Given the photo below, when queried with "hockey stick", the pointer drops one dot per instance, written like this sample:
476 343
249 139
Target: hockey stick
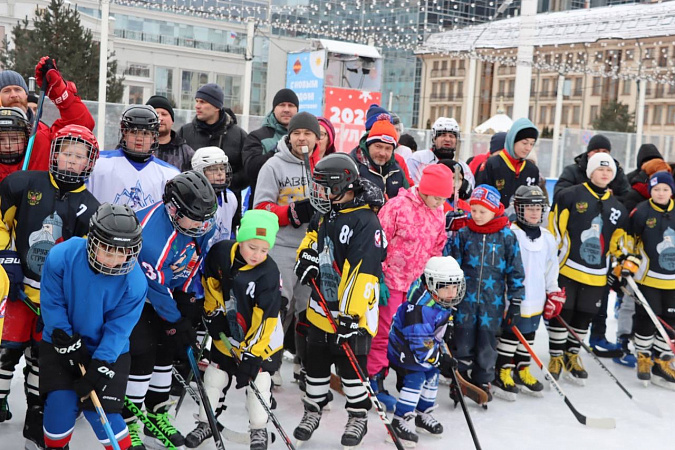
101 415
202 346
606 423
668 327
213 423
36 124
135 410
637 294
359 372
177 375
258 394
465 410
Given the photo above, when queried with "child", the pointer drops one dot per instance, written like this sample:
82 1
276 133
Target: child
539 254
92 295
489 254
652 225
248 316
416 346
414 224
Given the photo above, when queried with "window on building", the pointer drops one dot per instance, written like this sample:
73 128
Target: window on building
460 64
443 90
597 85
626 87
576 115
598 57
512 87
458 113
509 111
190 83
530 112
670 117
432 114
645 118
231 86
434 91
435 65
448 112
656 115
663 57
578 89
164 83
660 90
137 70
502 84
542 115
451 90
544 87
594 112
648 86
135 95
565 115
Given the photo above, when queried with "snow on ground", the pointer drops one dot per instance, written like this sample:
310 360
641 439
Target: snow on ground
528 423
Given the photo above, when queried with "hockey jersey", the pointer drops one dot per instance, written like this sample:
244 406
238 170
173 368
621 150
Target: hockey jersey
250 297
120 181
169 259
103 309
423 158
507 174
653 229
36 215
227 207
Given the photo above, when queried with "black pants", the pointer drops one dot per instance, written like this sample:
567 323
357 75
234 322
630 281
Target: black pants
662 302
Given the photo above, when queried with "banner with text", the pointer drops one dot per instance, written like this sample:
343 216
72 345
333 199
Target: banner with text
346 109
304 75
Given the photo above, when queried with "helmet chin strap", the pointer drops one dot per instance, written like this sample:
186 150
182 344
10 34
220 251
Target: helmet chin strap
444 153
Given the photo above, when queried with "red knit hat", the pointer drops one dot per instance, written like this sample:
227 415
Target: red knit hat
436 181
383 131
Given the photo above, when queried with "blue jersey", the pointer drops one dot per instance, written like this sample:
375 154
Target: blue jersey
417 330
169 259
103 309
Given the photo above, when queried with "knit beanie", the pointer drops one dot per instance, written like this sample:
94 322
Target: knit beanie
497 142
646 153
11 78
599 142
158 101
383 131
436 181
211 93
330 131
600 160
656 165
304 120
285 96
662 177
526 133
376 112
487 196
258 224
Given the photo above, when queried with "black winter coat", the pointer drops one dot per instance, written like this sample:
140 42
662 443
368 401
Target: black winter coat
574 174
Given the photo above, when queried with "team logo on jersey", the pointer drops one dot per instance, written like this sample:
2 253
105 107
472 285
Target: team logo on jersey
378 238
582 207
34 197
186 261
666 250
499 184
651 222
42 240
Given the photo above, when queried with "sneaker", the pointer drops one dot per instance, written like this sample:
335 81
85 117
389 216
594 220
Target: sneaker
405 430
426 423
377 384
309 422
195 437
664 373
575 369
259 439
160 418
523 377
134 433
555 366
5 413
644 367
505 387
356 428
603 348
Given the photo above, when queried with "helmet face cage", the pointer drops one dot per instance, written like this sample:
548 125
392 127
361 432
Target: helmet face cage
439 281
529 197
75 154
211 169
323 184
139 119
177 216
96 248
14 135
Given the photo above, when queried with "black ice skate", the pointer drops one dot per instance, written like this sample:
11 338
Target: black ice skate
160 418
5 413
309 422
664 373
259 439
356 428
426 423
405 430
195 437
32 428
574 369
530 385
135 434
504 386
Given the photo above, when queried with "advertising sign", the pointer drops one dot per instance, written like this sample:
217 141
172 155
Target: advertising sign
304 75
346 109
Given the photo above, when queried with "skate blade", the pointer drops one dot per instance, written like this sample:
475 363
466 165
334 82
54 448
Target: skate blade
351 447
658 381
156 444
30 445
406 444
537 394
508 396
574 380
428 433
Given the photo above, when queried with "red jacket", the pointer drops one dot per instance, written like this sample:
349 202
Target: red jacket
401 162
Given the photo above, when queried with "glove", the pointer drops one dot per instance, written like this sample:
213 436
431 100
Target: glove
614 279
554 303
216 323
98 377
455 220
248 369
347 326
300 212
384 292
447 364
56 85
307 266
630 265
513 313
188 304
72 350
182 334
10 261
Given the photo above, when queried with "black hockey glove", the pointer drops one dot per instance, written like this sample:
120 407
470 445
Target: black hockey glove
181 334
72 350
300 212
513 313
307 266
188 304
12 264
99 375
447 364
347 327
248 369
216 323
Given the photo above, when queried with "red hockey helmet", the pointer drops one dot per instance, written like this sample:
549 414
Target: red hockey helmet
73 154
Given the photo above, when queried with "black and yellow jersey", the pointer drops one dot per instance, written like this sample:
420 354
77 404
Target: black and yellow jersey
653 229
499 171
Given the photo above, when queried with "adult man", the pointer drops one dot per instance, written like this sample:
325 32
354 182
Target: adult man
172 148
14 92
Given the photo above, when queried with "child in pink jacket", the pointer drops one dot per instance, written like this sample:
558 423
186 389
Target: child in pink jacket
414 225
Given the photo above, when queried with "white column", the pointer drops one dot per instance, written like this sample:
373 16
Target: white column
521 99
103 72
248 74
640 113
469 102
556 126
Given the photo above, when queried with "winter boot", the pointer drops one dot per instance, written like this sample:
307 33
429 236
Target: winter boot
555 366
32 427
603 348
405 430
377 384
195 437
505 387
259 439
5 413
356 428
664 373
644 367
523 377
574 369
426 423
309 422
627 359
160 418
135 434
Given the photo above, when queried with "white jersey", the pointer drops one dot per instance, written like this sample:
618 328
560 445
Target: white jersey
423 158
120 181
540 255
227 207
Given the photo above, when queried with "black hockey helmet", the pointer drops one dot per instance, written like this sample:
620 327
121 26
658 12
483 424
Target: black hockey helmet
335 174
141 119
15 126
114 230
190 195
529 195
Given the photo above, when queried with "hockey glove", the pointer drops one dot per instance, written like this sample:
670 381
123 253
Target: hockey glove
384 292
554 303
181 334
513 313
188 304
248 369
72 350
56 86
630 265
347 326
12 264
447 364
300 212
455 220
307 266
614 279
216 323
97 378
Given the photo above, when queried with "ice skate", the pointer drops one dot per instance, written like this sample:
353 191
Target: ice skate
356 428
664 373
309 422
574 369
195 437
32 428
505 387
5 413
426 423
644 367
160 418
377 384
134 433
405 430
555 366
627 359
603 348
259 439
528 383
299 376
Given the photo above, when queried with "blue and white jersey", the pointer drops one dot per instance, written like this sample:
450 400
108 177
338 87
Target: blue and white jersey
120 181
103 309
169 259
227 208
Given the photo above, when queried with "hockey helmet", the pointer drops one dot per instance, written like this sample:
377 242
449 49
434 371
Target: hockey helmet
114 239
73 154
210 161
335 175
445 125
189 197
526 196
14 134
143 122
443 272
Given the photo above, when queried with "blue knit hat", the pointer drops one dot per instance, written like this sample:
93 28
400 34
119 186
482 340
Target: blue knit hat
11 78
211 93
376 112
662 177
489 197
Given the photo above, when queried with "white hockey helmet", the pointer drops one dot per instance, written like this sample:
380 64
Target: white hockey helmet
445 125
206 157
442 272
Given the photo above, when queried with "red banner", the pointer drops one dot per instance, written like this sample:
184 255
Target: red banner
346 109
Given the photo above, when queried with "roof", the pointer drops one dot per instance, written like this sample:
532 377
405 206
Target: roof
349 48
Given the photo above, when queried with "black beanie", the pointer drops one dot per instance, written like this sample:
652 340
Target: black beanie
597 142
497 141
526 133
285 95
158 101
646 153
211 93
307 121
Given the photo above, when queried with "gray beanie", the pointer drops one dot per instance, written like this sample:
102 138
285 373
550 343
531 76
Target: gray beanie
11 78
307 121
211 93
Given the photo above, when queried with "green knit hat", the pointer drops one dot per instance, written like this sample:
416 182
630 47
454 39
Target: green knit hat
258 224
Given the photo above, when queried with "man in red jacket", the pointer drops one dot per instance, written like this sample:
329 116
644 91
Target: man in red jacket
14 92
